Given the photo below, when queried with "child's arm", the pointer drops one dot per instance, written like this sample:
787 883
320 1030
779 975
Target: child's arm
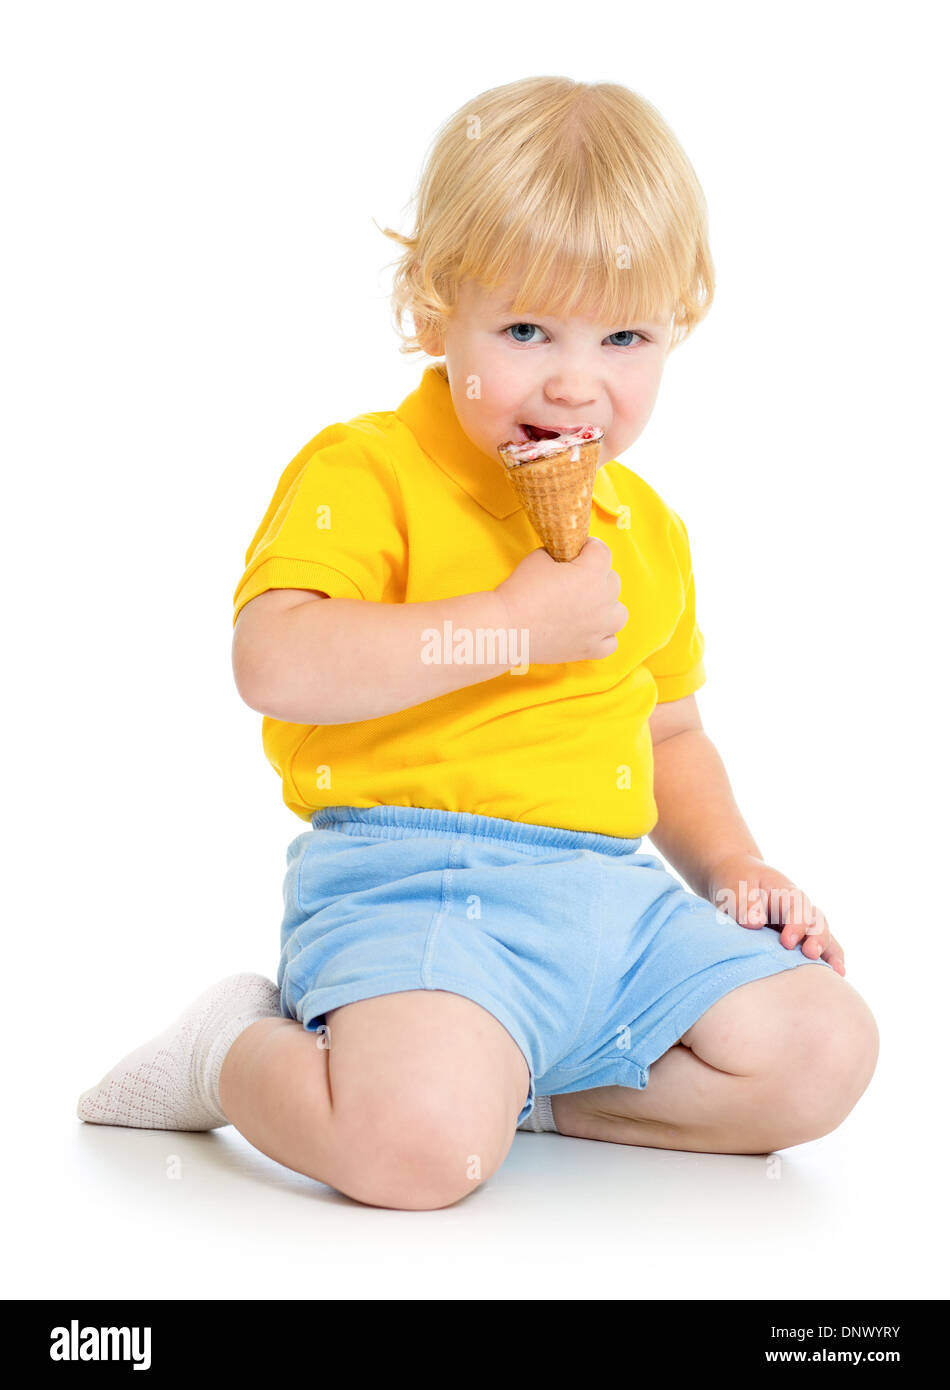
304 658
699 822
700 831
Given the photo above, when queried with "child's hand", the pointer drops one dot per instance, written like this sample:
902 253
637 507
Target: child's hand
757 895
570 608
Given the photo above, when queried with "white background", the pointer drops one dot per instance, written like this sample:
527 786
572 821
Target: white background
193 288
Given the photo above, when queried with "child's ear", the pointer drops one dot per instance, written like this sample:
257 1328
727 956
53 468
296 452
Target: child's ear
430 337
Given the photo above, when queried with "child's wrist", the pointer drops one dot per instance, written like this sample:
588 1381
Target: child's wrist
505 610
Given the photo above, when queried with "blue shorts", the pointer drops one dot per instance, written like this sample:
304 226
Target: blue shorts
592 956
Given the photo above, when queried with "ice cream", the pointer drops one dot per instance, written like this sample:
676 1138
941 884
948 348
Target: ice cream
554 481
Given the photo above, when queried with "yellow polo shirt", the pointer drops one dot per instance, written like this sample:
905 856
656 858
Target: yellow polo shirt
399 506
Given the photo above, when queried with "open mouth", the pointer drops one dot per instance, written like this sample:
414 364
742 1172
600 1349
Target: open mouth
535 432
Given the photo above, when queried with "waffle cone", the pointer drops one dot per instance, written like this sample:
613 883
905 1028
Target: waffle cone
556 492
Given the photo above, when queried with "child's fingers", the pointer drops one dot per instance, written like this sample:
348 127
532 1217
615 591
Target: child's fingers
827 948
795 931
834 955
757 912
817 922
808 924
792 933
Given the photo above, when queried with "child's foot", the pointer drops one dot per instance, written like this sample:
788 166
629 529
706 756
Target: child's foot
171 1082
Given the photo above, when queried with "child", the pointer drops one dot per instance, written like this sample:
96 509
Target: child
472 939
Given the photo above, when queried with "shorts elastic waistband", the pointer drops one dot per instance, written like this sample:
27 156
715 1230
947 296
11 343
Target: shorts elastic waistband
431 820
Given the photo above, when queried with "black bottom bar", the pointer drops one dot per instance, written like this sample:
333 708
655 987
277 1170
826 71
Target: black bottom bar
169 1339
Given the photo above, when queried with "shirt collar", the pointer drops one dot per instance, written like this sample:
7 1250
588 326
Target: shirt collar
430 415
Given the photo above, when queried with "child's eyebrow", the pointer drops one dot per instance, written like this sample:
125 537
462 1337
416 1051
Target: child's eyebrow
505 310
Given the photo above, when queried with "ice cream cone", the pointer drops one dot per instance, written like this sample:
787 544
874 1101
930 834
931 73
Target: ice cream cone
556 490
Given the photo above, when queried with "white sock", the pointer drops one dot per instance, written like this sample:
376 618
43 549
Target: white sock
541 1119
171 1082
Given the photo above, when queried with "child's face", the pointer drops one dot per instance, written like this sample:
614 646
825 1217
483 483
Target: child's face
505 372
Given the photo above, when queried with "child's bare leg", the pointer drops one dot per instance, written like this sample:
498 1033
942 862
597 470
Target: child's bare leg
411 1105
772 1063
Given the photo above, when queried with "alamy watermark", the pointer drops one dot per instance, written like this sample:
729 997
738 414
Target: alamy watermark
480 646
784 905
75 1343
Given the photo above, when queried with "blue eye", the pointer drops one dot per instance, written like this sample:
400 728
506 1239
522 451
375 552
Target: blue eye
628 333
530 327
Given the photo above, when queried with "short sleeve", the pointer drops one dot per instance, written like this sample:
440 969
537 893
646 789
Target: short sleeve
335 523
678 668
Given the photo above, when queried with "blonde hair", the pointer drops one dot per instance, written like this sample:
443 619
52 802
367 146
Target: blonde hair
579 193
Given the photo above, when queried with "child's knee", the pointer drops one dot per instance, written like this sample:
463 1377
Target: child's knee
832 1046
837 1032
429 1156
